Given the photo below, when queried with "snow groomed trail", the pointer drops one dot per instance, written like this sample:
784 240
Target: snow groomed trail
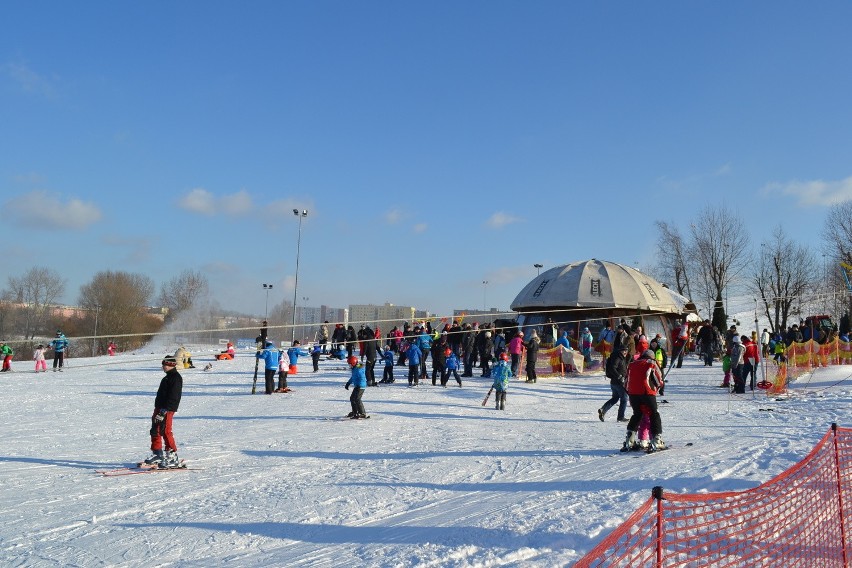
436 480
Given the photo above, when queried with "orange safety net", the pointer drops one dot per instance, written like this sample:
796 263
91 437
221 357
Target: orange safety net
795 519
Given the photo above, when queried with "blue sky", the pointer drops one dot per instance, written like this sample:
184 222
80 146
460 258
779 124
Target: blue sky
435 145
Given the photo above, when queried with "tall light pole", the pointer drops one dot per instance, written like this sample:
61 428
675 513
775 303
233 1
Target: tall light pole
538 268
484 291
301 216
267 287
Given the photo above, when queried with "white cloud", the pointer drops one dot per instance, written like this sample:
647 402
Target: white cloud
393 217
814 192
420 228
43 210
199 201
239 203
28 80
500 220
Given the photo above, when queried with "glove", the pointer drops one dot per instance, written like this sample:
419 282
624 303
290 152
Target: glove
346 386
160 415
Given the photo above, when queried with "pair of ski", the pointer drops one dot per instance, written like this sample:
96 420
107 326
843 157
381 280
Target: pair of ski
143 467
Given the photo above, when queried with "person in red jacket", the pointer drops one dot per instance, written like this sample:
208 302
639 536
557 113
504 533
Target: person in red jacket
680 335
644 379
752 358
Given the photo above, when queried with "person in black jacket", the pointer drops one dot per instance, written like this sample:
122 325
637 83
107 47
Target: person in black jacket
468 352
371 345
439 358
616 371
165 405
532 355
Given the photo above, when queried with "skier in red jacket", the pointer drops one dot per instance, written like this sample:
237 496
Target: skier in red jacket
644 380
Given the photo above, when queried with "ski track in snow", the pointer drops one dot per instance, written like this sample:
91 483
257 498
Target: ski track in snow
439 480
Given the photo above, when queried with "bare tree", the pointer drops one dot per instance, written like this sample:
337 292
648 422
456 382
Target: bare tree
781 276
119 300
34 293
181 292
837 234
672 264
720 254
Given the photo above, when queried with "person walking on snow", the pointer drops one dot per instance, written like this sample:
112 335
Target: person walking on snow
643 381
357 380
516 349
616 371
532 347
387 357
165 405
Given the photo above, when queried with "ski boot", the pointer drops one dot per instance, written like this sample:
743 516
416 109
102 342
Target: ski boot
155 459
629 442
657 444
170 460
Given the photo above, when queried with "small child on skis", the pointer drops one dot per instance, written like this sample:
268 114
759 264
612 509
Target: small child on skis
283 368
387 357
6 352
644 432
358 380
451 366
38 357
165 405
501 373
412 353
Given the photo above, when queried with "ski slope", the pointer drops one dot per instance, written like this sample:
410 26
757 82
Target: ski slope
433 479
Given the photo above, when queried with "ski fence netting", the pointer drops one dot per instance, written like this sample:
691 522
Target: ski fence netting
798 518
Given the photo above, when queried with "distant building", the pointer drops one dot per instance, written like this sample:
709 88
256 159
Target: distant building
385 316
481 316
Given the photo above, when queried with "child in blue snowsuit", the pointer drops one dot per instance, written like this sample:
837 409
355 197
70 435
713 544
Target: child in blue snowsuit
451 366
316 351
413 354
387 357
358 380
501 373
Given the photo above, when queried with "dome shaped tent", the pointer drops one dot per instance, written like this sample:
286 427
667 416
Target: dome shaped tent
593 292
597 284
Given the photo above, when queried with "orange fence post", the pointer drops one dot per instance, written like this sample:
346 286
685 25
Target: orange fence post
839 494
657 493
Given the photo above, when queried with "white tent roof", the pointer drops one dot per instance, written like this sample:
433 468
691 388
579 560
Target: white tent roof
599 284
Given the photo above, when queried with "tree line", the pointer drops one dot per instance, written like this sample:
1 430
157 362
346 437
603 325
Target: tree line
715 254
113 304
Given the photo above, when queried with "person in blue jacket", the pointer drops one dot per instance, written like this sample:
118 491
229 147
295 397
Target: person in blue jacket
501 373
289 365
60 344
358 380
387 357
424 342
270 356
316 351
563 341
412 352
451 366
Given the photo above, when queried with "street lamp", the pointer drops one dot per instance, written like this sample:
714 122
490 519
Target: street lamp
301 216
484 291
538 268
267 287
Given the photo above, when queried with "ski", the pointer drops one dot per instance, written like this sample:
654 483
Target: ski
144 468
485 400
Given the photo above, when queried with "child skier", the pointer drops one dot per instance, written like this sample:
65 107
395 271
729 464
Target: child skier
451 366
316 351
413 355
501 373
6 352
358 380
165 405
387 357
271 358
38 357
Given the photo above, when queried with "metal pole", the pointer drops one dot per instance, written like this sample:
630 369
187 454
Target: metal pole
95 338
484 291
304 213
